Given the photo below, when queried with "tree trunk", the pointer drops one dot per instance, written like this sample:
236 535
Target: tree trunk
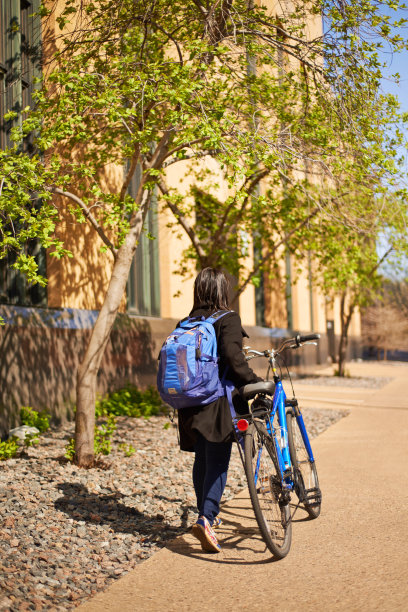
342 353
88 368
345 318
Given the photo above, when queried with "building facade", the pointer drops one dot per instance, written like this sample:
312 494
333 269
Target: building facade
46 330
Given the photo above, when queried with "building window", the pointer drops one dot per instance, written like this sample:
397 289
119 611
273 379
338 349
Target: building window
20 63
259 289
20 59
144 283
14 287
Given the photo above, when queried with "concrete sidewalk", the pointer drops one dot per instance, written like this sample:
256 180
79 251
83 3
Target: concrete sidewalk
353 557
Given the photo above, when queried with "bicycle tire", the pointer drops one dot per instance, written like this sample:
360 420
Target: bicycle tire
272 515
305 472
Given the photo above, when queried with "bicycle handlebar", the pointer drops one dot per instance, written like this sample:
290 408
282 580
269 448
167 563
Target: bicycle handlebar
301 339
295 342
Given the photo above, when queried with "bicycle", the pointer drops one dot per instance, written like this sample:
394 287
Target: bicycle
276 453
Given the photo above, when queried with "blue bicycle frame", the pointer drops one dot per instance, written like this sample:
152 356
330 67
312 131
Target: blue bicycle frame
282 449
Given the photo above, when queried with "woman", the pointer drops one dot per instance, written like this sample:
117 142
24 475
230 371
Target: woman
207 430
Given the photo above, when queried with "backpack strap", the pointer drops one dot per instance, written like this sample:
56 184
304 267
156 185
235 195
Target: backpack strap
229 388
217 315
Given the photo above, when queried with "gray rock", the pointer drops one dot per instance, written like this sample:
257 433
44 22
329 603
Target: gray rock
23 431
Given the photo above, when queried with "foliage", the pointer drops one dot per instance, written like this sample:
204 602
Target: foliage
128 449
132 402
70 450
160 82
32 439
103 435
8 449
102 439
128 401
32 418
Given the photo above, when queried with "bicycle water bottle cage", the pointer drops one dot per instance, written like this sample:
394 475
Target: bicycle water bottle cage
266 387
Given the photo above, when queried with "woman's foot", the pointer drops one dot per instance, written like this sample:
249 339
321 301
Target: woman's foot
202 530
216 523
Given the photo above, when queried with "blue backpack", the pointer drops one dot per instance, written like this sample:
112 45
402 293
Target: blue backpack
188 369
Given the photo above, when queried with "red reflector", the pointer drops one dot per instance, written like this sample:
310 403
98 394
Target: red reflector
242 425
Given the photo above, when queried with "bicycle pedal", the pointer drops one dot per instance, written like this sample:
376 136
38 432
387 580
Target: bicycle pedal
313 497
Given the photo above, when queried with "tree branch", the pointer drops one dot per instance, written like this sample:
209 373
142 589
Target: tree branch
185 145
174 41
201 8
130 173
161 151
183 222
174 160
270 253
257 178
88 215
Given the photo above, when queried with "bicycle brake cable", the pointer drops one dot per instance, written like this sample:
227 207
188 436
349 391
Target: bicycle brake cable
289 376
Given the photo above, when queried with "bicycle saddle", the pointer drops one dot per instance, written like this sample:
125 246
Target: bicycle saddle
249 391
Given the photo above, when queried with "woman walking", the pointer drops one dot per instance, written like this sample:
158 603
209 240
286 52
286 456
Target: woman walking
207 430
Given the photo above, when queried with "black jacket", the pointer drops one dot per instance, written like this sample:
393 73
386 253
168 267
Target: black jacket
213 420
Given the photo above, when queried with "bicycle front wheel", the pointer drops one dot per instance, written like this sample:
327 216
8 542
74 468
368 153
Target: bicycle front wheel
305 473
271 509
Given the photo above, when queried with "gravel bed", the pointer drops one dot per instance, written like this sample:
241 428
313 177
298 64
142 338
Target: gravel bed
67 533
365 382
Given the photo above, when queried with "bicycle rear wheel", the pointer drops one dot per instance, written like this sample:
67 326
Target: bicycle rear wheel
305 473
271 510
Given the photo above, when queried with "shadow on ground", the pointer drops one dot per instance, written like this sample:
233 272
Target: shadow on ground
107 509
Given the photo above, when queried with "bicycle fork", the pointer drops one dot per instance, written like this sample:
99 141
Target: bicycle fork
311 496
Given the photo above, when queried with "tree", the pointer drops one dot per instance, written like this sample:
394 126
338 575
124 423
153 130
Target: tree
384 328
353 118
385 322
146 85
395 293
350 258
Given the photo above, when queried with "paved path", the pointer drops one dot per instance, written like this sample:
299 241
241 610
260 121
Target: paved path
354 557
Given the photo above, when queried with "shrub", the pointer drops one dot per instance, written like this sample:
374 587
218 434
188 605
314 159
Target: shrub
102 439
32 418
128 449
70 450
132 402
8 449
103 435
128 401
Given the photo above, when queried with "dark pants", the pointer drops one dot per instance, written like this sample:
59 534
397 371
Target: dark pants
210 475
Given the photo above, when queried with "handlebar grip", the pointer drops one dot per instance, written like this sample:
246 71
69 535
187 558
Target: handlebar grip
301 339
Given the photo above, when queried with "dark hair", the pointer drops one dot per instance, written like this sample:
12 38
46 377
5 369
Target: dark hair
211 290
